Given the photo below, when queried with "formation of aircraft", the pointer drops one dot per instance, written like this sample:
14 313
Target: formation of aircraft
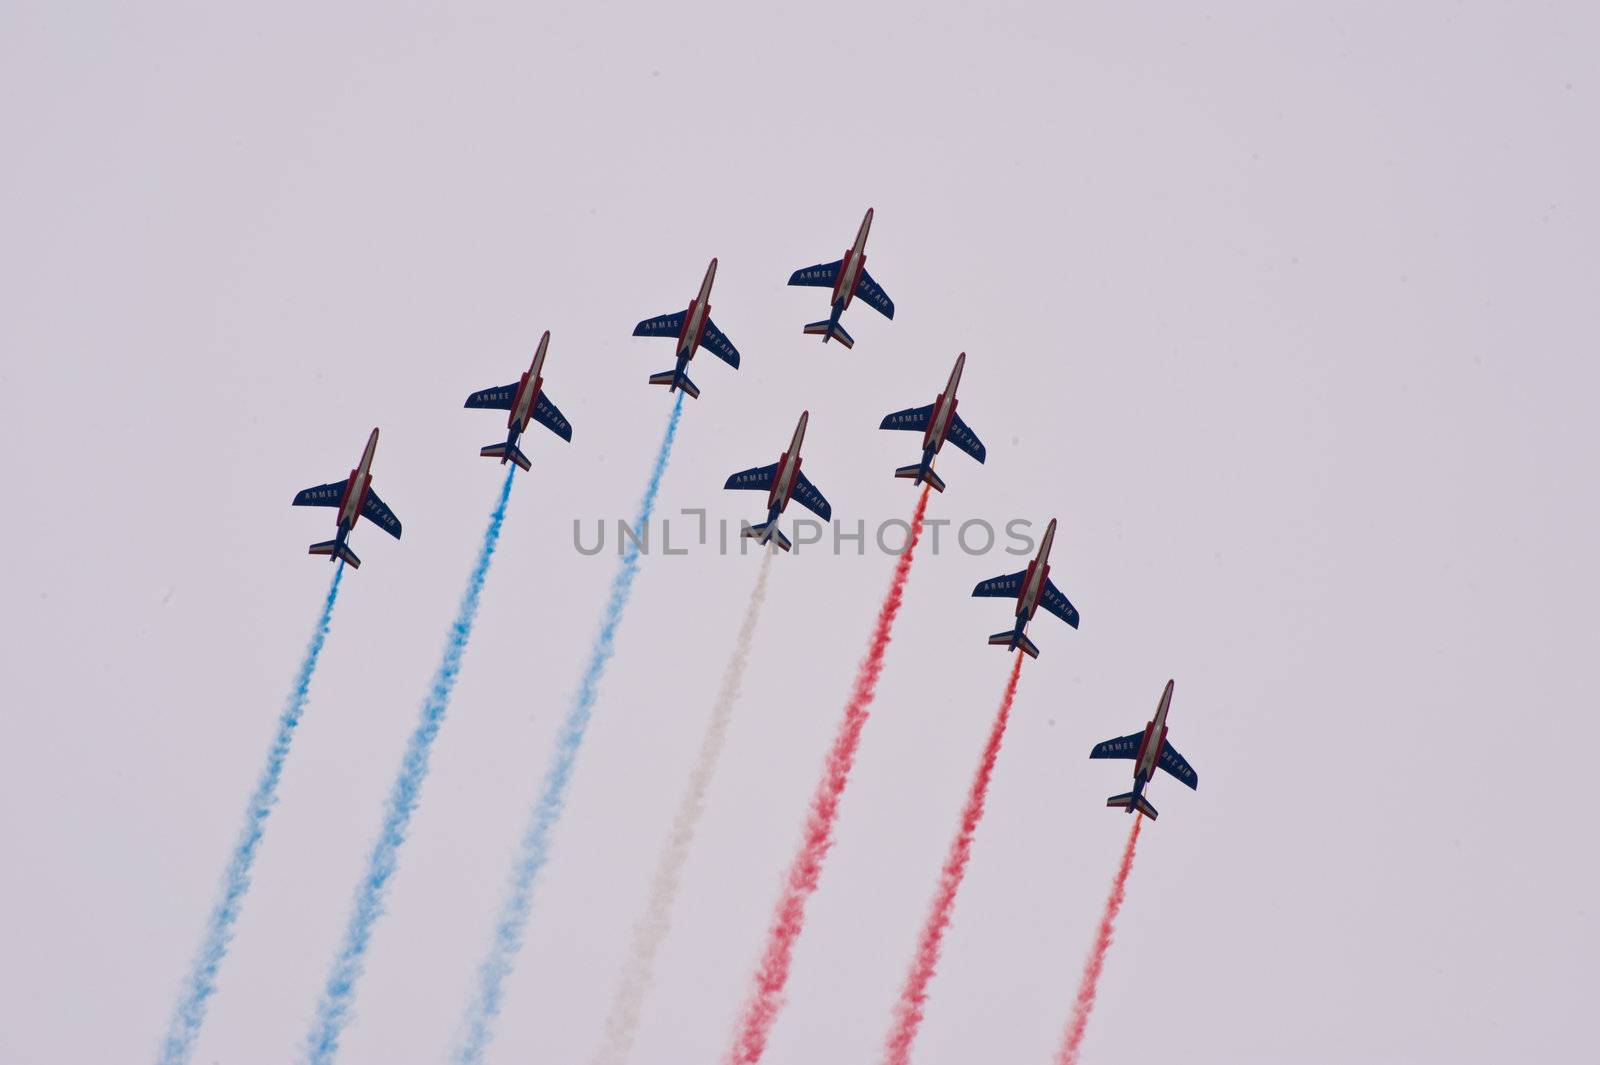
1033 589
526 401
1149 750
937 422
781 481
848 278
355 499
693 329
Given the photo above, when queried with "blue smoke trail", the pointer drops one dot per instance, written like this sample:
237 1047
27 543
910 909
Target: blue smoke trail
202 982
534 848
333 1012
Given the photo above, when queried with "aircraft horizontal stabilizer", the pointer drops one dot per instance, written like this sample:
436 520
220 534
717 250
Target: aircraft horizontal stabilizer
1013 640
336 550
767 532
918 473
672 378
1127 800
830 330
504 451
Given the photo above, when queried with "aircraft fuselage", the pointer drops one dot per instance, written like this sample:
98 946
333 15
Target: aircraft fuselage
855 260
944 411
357 486
694 319
784 480
1155 735
1034 579
528 389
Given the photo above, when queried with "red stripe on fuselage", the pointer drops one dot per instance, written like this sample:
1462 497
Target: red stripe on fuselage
929 439
1144 745
1032 589
699 330
1022 593
1151 746
783 484
845 272
512 421
360 491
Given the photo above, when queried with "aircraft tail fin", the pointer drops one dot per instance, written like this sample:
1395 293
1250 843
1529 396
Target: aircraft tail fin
918 473
506 452
767 532
829 329
334 549
674 379
1129 802
1014 640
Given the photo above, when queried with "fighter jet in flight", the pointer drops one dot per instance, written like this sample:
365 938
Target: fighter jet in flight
355 499
1032 588
848 278
693 329
937 422
782 481
1149 750
526 401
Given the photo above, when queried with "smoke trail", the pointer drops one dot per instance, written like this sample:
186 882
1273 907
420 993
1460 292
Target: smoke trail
909 1011
202 981
772 974
333 1011
534 849
622 1025
1097 955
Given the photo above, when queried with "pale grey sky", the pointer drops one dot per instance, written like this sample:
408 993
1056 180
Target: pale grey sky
1286 313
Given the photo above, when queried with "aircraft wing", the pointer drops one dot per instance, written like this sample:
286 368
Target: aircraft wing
914 418
1174 763
873 293
494 398
549 415
758 479
806 494
822 275
1121 747
998 587
664 325
1058 604
321 495
719 345
377 511
964 438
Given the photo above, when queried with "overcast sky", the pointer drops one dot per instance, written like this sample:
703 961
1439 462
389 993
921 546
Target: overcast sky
1287 316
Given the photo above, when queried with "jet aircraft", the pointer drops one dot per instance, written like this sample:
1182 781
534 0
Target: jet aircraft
848 278
693 329
937 422
1033 588
527 402
1149 750
355 499
782 481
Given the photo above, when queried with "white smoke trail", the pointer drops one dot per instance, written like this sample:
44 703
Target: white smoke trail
622 1024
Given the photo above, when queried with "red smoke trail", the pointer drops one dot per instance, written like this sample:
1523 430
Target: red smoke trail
755 1024
908 1013
1097 956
